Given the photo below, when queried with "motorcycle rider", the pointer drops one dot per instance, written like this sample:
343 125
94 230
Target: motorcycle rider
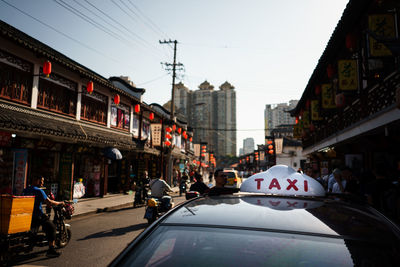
38 217
158 188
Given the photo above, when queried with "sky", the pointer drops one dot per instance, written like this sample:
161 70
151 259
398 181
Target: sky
266 49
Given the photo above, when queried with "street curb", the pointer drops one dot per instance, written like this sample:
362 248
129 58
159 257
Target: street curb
112 208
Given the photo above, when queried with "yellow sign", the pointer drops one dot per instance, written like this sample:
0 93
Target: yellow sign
306 119
315 116
328 96
297 131
384 27
348 76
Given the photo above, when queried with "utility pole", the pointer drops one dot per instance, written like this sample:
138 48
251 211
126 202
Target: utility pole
174 69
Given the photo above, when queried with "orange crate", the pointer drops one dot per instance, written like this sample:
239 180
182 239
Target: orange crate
15 213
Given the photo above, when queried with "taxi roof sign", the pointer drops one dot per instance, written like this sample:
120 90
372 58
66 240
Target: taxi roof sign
282 180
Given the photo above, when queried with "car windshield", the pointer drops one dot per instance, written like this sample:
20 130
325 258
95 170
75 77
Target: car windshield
230 174
202 246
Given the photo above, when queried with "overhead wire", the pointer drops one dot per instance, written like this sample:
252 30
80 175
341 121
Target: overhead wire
63 34
95 23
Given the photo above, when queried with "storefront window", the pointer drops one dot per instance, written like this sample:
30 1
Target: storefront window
120 116
94 107
57 94
15 78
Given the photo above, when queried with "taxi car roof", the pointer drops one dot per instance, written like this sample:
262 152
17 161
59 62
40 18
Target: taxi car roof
309 216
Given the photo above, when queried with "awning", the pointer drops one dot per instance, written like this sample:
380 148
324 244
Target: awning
112 153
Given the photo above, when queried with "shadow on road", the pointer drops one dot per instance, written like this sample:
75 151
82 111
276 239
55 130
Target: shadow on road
115 232
27 258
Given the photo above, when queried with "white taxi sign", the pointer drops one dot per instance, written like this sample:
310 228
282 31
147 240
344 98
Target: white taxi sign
282 180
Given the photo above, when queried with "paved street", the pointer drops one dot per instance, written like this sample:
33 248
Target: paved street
96 239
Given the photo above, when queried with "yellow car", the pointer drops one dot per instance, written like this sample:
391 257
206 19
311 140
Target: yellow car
233 179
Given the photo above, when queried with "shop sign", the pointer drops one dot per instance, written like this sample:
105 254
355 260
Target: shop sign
348 76
262 155
278 145
297 130
5 139
315 116
135 126
306 119
20 168
383 26
156 133
197 150
145 130
328 96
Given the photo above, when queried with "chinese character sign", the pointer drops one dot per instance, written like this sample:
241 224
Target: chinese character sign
383 26
348 76
197 150
20 162
328 96
306 119
156 133
315 116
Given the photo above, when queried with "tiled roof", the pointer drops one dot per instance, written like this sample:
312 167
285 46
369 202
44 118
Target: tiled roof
26 121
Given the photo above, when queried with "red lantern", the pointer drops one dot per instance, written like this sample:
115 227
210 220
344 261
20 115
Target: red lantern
330 71
179 130
167 143
351 41
203 155
297 120
317 89
270 147
168 136
47 68
137 108
117 99
174 127
198 162
151 116
89 87
190 139
168 129
269 142
271 152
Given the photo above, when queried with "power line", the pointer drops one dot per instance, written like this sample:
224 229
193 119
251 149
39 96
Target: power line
226 130
63 34
155 79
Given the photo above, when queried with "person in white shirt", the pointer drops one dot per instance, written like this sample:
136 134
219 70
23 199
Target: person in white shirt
332 180
158 187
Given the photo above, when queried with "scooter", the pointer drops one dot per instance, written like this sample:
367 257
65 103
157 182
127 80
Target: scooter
183 187
156 207
13 244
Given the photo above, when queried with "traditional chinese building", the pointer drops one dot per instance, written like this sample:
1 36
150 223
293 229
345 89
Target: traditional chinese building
349 111
63 121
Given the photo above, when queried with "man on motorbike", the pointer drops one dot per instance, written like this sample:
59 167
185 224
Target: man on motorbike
158 189
38 217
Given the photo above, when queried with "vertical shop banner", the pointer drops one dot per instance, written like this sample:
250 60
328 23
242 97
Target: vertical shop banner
20 170
156 133
306 119
65 176
197 150
348 75
328 96
383 26
297 131
145 130
262 155
135 126
113 116
278 145
206 157
315 115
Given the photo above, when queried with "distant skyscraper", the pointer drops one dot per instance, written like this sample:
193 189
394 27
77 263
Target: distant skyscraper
212 114
248 145
275 115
